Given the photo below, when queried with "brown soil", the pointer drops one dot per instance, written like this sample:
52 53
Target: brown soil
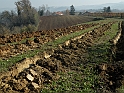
29 75
34 40
52 22
112 74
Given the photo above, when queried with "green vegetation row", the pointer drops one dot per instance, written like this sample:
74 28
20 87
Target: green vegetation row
4 64
86 79
99 21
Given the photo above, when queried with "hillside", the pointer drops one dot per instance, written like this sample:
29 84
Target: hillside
118 6
55 22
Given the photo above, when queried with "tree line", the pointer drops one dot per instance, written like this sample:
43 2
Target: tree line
25 18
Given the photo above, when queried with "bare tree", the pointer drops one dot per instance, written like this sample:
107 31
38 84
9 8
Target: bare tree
67 12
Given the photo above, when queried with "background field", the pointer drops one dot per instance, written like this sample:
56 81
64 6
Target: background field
52 22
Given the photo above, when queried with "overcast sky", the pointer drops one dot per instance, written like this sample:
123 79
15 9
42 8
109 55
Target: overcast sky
37 3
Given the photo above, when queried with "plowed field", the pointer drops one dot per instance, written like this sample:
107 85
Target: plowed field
52 22
84 59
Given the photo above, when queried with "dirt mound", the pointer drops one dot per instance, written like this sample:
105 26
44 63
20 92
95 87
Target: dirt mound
28 76
31 74
112 74
120 46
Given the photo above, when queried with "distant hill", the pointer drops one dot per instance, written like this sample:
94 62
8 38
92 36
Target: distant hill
118 6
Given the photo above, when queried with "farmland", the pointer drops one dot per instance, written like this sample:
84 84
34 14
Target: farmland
73 54
52 22
107 15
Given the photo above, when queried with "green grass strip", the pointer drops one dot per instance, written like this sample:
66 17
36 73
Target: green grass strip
85 80
4 64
